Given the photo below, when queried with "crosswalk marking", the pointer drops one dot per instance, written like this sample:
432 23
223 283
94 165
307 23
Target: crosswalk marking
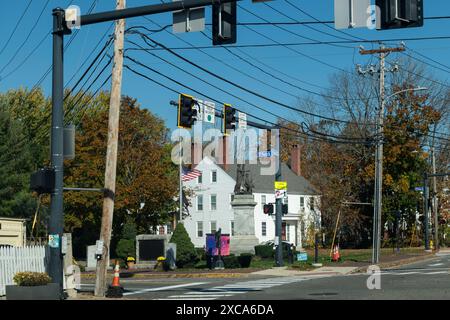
234 288
435 264
164 288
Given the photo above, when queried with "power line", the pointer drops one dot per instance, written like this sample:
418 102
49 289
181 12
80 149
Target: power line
219 102
14 56
15 27
242 87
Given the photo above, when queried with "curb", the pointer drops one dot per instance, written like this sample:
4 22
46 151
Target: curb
177 275
389 265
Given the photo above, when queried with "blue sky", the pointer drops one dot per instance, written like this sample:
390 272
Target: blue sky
157 99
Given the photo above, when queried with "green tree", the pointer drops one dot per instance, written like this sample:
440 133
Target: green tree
16 164
186 254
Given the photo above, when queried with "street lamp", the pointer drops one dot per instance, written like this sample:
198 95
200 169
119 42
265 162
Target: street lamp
379 175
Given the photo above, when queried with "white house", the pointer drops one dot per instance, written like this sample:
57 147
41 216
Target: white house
211 209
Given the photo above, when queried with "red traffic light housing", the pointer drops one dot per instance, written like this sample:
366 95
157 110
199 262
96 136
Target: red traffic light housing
268 208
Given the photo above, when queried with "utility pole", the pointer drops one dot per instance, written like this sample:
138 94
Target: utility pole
111 154
383 52
435 200
278 212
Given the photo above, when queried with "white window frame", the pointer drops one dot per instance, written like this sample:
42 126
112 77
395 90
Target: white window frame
263 196
198 197
211 226
198 229
211 202
212 175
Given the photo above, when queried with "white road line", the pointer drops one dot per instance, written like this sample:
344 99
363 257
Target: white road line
436 265
187 296
164 288
405 273
183 298
437 272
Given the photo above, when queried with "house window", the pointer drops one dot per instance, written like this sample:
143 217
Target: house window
214 176
263 199
213 202
161 230
311 203
200 179
200 229
200 202
263 229
232 228
213 226
302 202
169 228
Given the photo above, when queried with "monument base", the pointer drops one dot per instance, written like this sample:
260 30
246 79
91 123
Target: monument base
243 244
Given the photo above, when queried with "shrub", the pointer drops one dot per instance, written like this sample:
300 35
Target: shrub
186 253
31 279
245 259
231 262
264 251
125 248
201 254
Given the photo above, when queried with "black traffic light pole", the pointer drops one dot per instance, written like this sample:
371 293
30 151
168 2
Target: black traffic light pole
55 268
426 191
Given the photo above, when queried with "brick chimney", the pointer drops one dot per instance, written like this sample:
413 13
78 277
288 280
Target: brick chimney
225 156
295 160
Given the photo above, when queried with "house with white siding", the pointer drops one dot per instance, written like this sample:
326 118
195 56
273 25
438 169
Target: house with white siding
213 191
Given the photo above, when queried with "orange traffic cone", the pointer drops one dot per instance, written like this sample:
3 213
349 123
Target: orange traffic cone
335 257
115 290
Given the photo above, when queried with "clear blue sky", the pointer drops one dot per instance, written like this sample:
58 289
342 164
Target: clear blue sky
157 99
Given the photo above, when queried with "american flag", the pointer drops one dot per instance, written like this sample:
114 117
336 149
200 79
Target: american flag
190 174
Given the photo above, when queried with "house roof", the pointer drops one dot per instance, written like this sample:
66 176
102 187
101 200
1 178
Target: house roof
265 183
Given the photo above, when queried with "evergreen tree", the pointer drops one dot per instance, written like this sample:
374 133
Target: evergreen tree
185 248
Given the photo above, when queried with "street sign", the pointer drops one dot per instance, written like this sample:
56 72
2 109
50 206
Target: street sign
280 185
418 188
280 194
209 112
264 154
352 14
302 256
242 120
189 20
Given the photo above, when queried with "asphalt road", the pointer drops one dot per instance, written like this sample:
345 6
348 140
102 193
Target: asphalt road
423 280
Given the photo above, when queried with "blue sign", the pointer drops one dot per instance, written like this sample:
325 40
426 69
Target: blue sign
302 256
264 154
418 188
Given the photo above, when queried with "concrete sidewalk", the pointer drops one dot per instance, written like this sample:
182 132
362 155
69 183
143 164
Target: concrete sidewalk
285 272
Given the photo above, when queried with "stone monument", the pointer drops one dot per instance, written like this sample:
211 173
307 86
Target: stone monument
243 204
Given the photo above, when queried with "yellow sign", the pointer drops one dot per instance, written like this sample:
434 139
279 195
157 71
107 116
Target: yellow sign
280 185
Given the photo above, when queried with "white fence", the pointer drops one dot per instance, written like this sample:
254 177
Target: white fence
17 259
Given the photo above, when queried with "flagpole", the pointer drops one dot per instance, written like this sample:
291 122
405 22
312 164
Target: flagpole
181 183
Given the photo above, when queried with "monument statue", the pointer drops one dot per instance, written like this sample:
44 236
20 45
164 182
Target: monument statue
244 183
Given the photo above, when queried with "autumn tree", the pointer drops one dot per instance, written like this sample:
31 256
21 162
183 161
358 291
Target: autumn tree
146 184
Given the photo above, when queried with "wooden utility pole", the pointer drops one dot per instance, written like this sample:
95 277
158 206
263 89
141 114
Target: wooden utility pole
383 52
111 154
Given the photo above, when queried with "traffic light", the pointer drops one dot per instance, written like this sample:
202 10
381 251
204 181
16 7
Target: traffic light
284 209
43 181
399 14
224 23
229 118
268 208
186 112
